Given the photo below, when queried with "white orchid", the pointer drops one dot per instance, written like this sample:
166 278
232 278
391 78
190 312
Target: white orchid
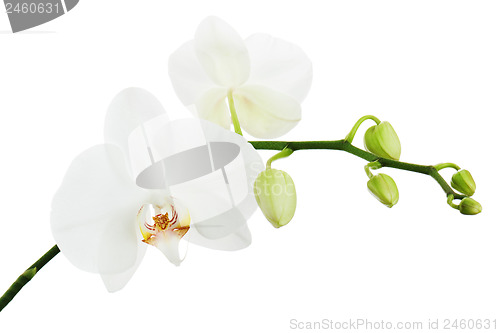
264 79
153 182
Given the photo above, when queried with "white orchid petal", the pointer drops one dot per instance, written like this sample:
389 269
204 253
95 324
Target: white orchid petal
223 200
189 79
222 52
213 181
265 113
96 193
176 148
212 107
115 282
239 239
279 65
119 242
240 183
129 111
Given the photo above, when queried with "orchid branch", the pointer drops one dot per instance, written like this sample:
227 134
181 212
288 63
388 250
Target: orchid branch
286 148
344 145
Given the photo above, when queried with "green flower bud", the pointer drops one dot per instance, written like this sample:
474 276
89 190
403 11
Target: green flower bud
469 206
383 141
463 182
275 193
384 189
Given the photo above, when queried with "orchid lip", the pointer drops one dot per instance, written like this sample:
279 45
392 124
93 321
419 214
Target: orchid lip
163 226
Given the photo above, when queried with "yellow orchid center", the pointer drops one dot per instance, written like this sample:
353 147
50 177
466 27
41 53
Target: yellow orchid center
162 223
163 226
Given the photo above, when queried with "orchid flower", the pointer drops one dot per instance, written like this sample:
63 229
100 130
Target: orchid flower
154 182
263 78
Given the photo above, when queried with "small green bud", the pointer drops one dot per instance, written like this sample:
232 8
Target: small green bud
275 193
383 141
463 182
384 189
469 206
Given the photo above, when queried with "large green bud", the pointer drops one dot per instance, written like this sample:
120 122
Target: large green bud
384 188
469 206
275 193
463 182
383 141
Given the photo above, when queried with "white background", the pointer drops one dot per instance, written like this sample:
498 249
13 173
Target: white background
431 68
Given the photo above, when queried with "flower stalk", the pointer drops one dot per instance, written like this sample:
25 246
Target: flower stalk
26 277
346 146
442 166
234 116
354 129
372 165
282 154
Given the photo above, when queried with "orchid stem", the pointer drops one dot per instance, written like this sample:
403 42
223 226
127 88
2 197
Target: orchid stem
441 166
349 148
282 154
354 129
26 277
234 116
372 165
450 202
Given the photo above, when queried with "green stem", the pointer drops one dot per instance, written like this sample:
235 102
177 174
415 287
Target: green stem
352 133
234 116
282 154
346 146
368 172
450 202
26 277
372 165
441 166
